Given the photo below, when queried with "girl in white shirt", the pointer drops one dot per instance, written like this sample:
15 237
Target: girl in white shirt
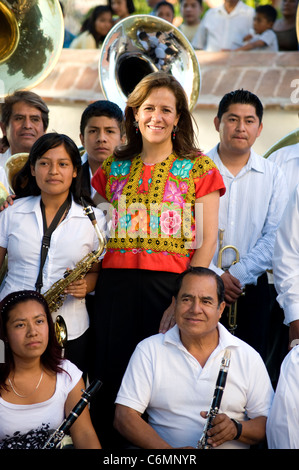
50 178
38 389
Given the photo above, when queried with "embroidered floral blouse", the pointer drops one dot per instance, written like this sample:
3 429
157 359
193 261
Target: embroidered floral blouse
153 215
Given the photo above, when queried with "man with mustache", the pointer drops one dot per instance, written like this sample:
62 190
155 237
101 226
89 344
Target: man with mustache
24 118
249 214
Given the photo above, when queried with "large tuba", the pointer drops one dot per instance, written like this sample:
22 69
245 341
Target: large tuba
290 139
142 44
31 39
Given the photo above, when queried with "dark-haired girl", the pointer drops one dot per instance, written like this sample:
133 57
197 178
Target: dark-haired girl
37 387
49 185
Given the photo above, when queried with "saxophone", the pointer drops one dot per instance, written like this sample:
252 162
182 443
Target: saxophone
55 296
216 400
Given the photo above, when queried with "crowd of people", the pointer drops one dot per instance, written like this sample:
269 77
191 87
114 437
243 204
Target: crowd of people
151 316
231 26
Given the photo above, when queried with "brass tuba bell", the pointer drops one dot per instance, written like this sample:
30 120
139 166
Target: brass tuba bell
31 39
289 139
142 44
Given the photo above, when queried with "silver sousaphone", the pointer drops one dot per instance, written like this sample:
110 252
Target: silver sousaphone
142 44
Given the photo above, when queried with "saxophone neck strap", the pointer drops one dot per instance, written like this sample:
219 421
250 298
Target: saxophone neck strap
47 237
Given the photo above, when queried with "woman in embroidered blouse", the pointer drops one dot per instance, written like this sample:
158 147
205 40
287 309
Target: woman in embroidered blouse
53 174
155 183
38 388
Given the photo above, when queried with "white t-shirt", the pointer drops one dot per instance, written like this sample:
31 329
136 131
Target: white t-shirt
164 379
269 38
283 421
21 231
29 426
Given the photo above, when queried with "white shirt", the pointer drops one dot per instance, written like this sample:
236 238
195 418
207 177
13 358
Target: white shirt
270 40
166 380
286 260
4 157
36 420
287 158
21 232
3 179
250 213
222 30
283 421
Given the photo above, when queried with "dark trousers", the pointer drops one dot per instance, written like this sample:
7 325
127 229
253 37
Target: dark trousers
77 351
129 305
253 316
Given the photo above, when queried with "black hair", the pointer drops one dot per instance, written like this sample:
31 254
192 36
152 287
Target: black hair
163 3
268 11
130 6
201 271
89 23
24 183
241 97
199 1
102 108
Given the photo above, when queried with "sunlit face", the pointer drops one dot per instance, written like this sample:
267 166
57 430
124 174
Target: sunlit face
119 8
166 13
27 330
261 24
24 128
239 127
157 116
103 23
101 136
197 311
191 11
54 172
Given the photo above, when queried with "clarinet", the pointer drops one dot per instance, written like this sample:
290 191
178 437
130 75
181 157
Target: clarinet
216 400
57 436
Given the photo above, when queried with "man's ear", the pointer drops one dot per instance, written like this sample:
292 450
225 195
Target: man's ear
3 128
217 123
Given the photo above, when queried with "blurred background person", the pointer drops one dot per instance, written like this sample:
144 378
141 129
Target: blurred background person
94 29
191 11
121 9
165 11
285 27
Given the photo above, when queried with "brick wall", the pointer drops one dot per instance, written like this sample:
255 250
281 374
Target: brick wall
268 74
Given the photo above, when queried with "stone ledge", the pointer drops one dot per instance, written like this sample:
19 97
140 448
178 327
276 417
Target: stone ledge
268 74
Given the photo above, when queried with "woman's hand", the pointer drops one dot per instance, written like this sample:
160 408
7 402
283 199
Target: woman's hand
168 319
77 289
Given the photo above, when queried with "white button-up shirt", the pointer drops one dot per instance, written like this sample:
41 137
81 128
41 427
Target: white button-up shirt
287 158
250 212
21 232
222 30
286 260
283 421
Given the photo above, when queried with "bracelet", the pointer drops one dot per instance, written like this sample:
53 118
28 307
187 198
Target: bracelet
239 428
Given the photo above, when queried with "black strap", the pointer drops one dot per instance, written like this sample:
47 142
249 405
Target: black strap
47 237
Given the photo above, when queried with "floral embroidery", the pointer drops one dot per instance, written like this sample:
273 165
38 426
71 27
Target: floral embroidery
182 168
120 168
172 193
116 188
170 222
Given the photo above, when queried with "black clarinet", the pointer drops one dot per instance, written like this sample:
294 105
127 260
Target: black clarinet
54 440
216 400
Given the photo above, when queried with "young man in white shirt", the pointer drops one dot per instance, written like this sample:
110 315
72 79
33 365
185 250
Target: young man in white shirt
249 213
224 27
173 377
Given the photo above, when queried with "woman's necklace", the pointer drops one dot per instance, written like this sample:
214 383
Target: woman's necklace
25 396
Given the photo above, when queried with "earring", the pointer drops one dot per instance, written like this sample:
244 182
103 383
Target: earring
136 126
174 131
